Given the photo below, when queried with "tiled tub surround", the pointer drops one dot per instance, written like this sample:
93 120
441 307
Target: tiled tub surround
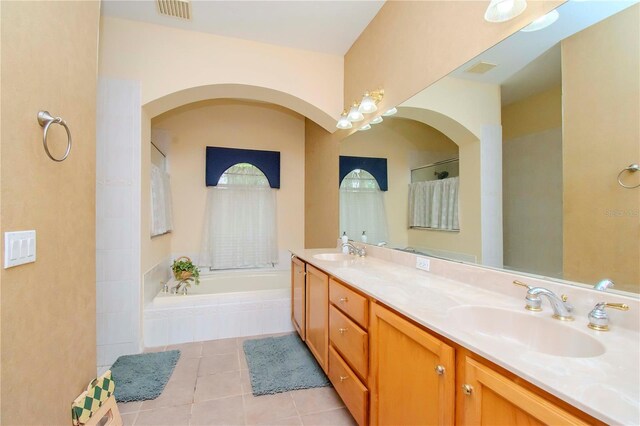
251 303
606 387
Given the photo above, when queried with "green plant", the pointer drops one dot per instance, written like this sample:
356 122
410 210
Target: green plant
185 272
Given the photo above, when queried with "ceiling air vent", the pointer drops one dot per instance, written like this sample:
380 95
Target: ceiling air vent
176 8
480 68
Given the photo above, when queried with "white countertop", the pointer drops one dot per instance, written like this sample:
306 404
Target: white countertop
606 387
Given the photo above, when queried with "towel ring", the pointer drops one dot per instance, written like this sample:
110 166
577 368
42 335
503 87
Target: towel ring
46 120
631 169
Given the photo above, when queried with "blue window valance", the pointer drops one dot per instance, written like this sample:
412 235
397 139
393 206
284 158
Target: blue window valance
220 159
376 166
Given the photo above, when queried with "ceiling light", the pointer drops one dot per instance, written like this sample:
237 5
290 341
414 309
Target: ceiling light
343 122
365 127
376 120
390 112
542 22
354 114
504 10
367 105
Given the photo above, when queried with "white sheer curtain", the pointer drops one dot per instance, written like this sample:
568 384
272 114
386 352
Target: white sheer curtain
240 229
362 207
434 204
161 214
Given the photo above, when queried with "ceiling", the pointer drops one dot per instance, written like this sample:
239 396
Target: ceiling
326 26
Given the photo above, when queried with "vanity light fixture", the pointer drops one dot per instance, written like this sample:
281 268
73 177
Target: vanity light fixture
390 112
542 22
365 127
355 115
370 100
504 10
343 122
376 120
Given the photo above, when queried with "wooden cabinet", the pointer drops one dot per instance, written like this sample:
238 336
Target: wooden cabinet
489 398
354 394
350 341
412 380
317 319
298 296
354 305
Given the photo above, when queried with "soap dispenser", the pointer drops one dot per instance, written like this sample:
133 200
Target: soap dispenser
345 240
363 238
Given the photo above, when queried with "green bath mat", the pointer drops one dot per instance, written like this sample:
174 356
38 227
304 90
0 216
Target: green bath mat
144 376
281 364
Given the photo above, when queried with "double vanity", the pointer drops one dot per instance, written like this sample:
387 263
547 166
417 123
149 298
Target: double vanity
455 344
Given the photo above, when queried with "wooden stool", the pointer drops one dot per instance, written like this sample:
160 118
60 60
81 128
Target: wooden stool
110 410
96 403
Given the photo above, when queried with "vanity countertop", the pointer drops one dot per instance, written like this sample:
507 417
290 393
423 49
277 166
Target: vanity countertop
606 386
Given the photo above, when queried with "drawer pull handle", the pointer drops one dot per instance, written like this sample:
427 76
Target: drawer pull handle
467 389
342 330
440 370
344 299
343 378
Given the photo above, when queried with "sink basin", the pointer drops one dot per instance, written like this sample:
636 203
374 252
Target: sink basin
334 257
530 332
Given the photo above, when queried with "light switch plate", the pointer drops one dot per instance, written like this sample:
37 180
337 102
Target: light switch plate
19 248
423 263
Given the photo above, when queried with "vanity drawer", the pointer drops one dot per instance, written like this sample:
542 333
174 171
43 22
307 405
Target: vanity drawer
354 394
349 302
350 340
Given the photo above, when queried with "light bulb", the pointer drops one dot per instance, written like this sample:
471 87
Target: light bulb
376 120
368 105
504 10
343 122
354 114
365 127
390 112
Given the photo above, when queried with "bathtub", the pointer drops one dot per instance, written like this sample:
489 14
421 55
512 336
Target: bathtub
224 305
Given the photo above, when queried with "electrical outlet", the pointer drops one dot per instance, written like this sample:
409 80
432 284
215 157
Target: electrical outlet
423 263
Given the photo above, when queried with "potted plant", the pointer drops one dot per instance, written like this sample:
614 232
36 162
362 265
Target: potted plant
185 272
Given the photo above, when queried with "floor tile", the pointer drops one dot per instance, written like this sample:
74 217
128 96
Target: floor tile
289 421
128 419
154 349
170 416
337 417
316 399
187 368
243 360
217 347
226 411
177 392
268 408
245 379
129 407
215 386
218 364
188 350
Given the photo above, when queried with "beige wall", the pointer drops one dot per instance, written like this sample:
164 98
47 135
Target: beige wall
405 144
321 202
537 113
532 183
233 124
48 307
169 60
601 106
411 44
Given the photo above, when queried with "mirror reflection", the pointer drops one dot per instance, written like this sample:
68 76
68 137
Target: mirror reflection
512 160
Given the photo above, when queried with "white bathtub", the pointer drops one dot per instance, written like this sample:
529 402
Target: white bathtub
224 305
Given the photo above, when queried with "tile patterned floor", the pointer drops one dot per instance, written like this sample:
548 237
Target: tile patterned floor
210 386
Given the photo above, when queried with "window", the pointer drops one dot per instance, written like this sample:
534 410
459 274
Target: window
362 207
240 221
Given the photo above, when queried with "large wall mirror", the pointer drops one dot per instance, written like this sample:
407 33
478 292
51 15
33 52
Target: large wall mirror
512 161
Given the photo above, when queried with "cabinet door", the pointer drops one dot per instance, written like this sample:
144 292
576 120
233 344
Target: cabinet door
490 398
412 373
317 321
298 291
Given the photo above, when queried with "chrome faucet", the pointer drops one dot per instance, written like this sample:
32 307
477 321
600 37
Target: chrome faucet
561 308
603 285
598 317
355 250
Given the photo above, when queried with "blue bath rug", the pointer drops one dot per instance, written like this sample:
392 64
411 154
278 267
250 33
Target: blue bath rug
144 376
281 364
